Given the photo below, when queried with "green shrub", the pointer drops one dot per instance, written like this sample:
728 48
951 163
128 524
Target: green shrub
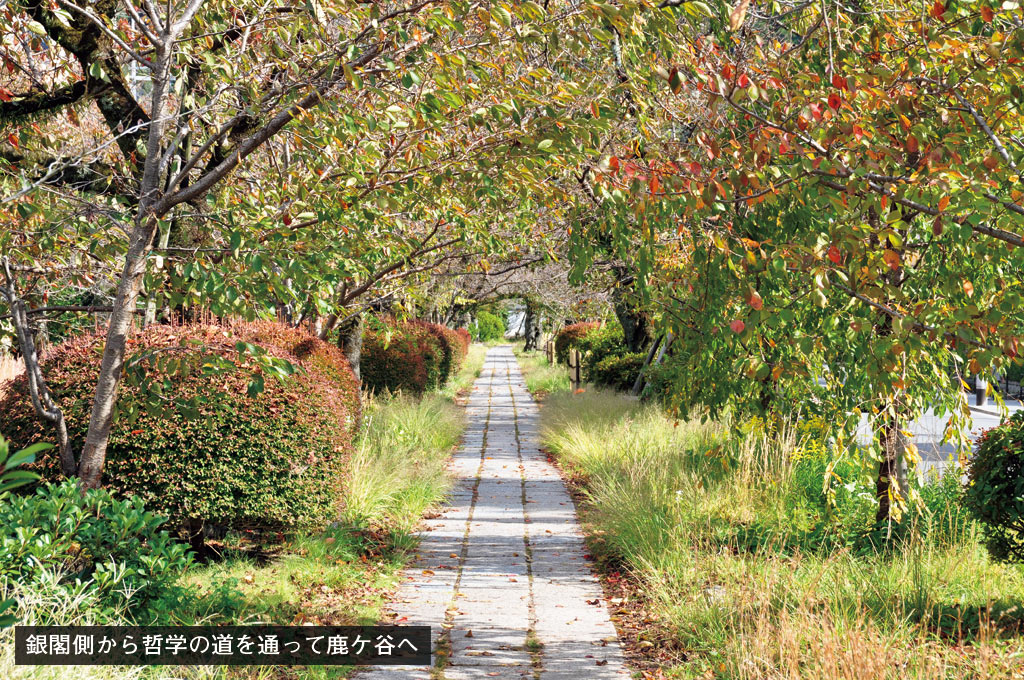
270 461
618 372
599 344
569 338
11 478
61 538
995 494
487 327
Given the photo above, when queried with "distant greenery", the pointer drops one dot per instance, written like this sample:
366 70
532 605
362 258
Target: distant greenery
488 327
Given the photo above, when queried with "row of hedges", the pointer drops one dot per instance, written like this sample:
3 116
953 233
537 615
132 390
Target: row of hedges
606 361
273 460
411 356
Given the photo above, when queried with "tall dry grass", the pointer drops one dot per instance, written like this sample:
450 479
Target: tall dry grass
741 568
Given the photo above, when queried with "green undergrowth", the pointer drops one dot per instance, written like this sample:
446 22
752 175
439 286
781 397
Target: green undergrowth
747 572
541 377
340 576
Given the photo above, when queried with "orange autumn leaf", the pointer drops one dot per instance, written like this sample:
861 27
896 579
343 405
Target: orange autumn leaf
943 203
754 300
969 288
987 14
892 258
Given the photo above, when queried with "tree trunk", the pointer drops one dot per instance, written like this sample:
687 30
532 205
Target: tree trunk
528 326
42 401
636 328
94 453
350 340
892 469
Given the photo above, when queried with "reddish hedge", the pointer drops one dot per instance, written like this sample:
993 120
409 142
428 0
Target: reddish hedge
410 356
569 337
465 340
273 461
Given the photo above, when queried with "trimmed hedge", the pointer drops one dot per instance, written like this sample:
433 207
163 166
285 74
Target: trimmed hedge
411 356
270 461
618 371
569 338
600 344
465 340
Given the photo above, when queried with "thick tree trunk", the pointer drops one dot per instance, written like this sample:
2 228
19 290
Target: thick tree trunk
636 328
350 340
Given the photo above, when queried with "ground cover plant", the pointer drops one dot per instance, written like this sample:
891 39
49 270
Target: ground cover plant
744 569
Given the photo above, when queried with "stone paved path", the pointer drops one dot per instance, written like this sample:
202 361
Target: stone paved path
501 575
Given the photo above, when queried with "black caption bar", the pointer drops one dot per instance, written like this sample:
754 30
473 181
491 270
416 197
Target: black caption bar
222 645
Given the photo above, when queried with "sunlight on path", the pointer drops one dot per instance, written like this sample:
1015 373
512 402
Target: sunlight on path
501 575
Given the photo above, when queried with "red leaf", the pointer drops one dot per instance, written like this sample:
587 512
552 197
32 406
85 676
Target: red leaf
613 163
938 9
654 184
987 14
6 95
743 81
833 254
834 100
737 326
912 144
754 300
13 139
838 81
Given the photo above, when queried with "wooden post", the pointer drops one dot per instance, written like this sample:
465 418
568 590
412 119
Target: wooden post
575 375
549 350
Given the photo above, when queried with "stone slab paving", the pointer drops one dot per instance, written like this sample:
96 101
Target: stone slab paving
500 575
